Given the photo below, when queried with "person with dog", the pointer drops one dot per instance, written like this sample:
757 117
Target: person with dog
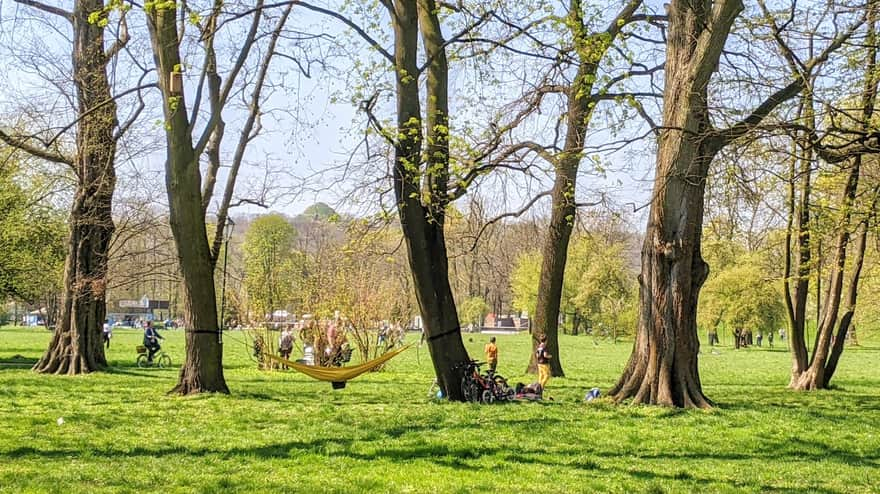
542 357
491 355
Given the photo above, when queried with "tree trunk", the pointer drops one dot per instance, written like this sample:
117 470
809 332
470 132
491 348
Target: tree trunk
663 368
827 350
423 222
202 370
813 377
591 48
77 345
554 257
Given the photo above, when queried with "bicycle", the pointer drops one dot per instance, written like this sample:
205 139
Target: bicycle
160 359
483 388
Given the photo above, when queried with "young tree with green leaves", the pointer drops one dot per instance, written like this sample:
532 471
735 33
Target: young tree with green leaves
598 283
742 295
273 267
32 239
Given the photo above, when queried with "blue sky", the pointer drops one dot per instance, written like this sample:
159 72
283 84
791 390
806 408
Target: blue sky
310 125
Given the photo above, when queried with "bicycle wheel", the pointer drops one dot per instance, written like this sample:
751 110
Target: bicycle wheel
467 389
142 361
164 360
487 397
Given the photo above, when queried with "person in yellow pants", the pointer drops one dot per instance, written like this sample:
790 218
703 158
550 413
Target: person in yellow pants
543 359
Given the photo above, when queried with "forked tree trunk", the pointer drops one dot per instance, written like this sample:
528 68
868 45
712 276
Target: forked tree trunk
202 370
76 347
817 373
813 376
423 222
663 367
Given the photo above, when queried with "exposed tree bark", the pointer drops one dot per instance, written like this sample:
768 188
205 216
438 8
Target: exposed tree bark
591 48
76 346
663 367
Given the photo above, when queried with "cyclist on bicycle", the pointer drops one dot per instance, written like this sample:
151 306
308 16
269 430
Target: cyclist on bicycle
151 340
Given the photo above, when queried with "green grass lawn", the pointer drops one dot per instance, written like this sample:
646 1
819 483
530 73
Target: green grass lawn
284 432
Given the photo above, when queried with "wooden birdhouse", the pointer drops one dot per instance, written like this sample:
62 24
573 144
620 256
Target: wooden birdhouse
175 83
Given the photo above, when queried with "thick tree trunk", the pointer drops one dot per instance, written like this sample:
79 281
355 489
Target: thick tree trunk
428 263
202 370
76 347
663 368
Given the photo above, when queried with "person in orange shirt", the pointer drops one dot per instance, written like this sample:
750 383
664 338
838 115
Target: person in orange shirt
492 354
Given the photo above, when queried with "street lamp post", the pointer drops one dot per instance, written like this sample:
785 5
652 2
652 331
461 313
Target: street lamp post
227 232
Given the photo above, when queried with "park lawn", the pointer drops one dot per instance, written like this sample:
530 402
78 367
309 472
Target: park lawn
281 431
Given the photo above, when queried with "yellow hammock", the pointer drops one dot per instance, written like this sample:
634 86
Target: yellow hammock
339 375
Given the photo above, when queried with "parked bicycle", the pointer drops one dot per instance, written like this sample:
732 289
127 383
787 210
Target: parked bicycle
486 387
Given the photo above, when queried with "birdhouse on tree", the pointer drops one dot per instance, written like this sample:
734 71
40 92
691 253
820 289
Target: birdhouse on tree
175 82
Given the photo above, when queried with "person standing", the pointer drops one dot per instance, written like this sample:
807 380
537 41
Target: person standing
285 343
492 354
543 359
108 333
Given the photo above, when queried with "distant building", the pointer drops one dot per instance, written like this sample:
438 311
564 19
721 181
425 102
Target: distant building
129 312
505 321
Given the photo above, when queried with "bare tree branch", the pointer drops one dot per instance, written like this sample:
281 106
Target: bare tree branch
47 8
42 153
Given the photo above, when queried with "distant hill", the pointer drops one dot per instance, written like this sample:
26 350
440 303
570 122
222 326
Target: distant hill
319 211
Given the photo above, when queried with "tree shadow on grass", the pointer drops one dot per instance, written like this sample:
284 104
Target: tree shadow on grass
381 446
17 362
149 373
825 407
